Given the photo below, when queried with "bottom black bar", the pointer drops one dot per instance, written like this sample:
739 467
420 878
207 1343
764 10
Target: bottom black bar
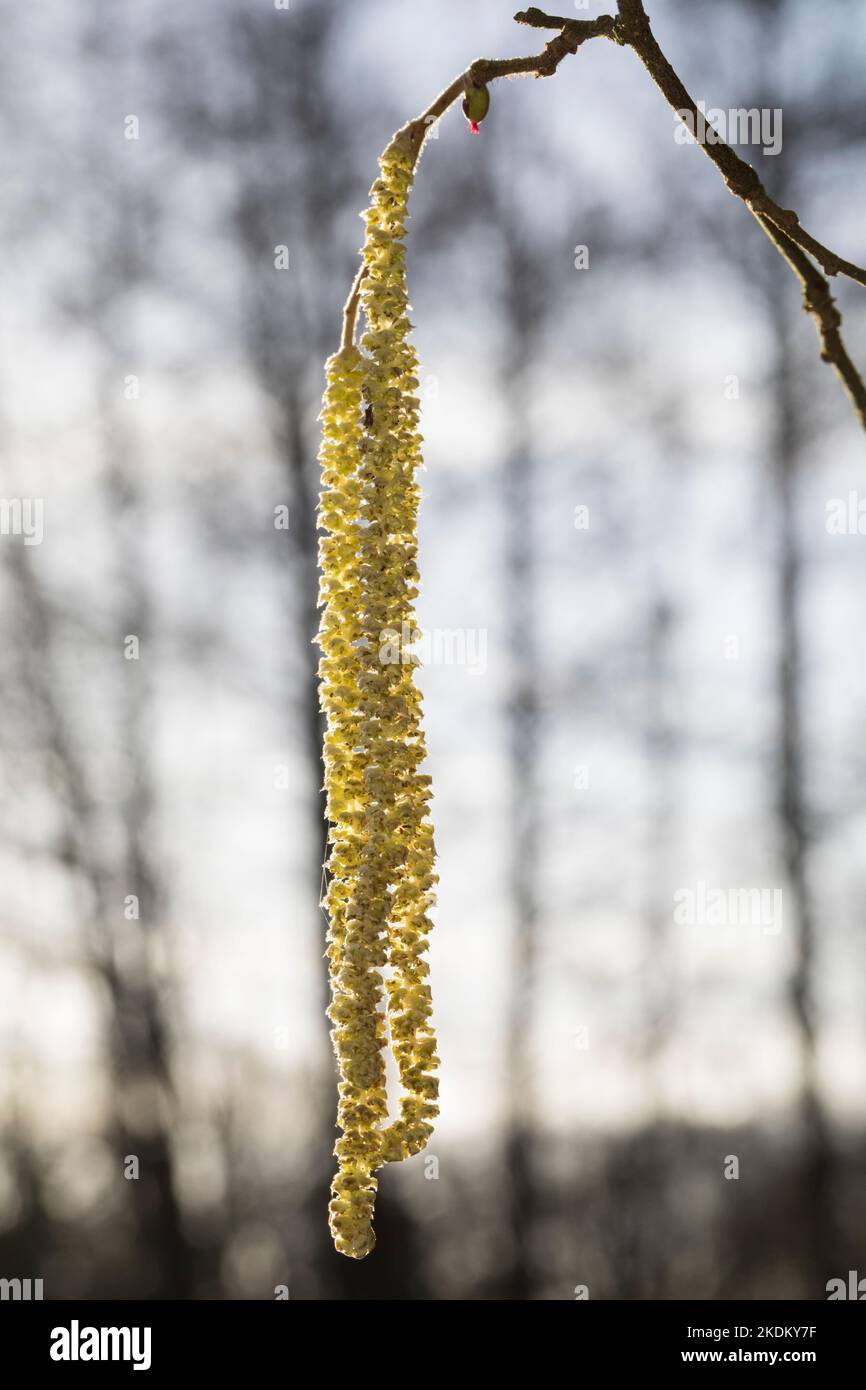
83 1339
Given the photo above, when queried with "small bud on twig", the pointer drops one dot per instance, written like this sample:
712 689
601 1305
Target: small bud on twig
476 104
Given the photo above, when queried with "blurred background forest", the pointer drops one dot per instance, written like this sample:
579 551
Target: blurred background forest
629 467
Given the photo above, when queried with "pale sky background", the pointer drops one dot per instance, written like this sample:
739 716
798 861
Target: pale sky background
682 510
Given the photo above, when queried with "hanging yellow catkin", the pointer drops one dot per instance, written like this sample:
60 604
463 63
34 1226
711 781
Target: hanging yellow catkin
353 955
381 861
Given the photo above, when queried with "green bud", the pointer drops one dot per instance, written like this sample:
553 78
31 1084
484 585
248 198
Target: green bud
476 104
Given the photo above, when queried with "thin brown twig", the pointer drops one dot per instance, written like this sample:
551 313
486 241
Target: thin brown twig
631 28
782 225
484 70
350 310
819 302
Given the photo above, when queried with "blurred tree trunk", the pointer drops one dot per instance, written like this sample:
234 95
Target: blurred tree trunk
787 442
134 966
27 1241
792 802
521 314
659 744
138 1047
121 947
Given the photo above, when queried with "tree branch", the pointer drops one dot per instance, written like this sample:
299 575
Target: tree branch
484 70
819 302
631 28
782 225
